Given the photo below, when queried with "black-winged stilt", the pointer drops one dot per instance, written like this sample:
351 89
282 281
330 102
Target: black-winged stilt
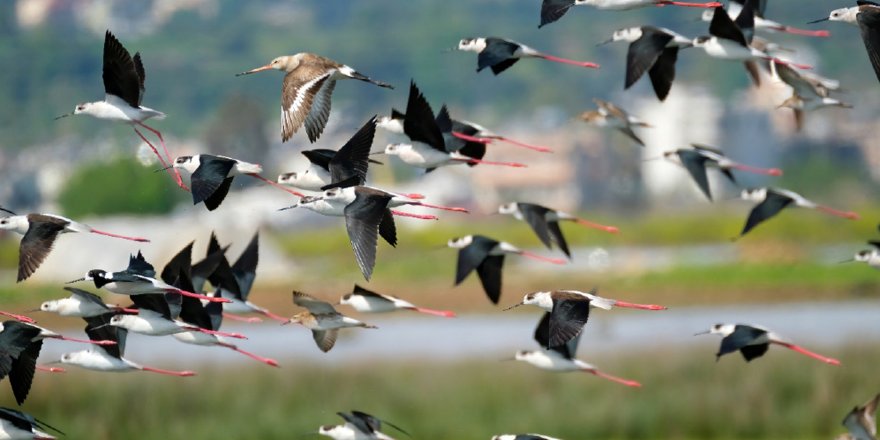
18 425
696 159
544 222
307 89
773 200
752 342
358 426
367 301
500 53
654 50
80 304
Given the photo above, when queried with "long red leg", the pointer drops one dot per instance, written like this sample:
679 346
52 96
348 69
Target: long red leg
541 257
445 208
809 353
589 224
756 170
124 237
265 360
414 196
85 341
235 317
629 383
277 185
411 215
690 5
169 372
21 318
469 138
443 313
216 333
167 155
845 214
487 162
804 32
630 305
523 144
568 61
799 66
51 369
203 297
271 315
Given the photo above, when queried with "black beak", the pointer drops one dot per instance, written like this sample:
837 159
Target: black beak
610 40
818 21
163 169
64 116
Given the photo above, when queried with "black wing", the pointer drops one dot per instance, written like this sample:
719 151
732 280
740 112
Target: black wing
142 76
14 339
362 219
22 375
138 265
349 166
24 421
542 337
472 255
320 157
446 125
745 21
374 422
644 52
771 206
121 77
387 229
498 55
695 164
489 272
419 124
157 303
552 10
869 24
723 27
35 246
222 275
98 328
750 352
567 320
212 176
536 217
662 74
181 261
742 336
358 290
245 267
193 312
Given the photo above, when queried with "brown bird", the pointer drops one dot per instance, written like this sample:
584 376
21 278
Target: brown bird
306 90
612 116
322 319
861 422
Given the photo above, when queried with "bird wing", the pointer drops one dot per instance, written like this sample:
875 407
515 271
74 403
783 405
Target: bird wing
553 10
489 272
245 267
745 20
180 261
498 55
210 176
803 86
723 27
86 296
23 421
320 157
349 166
542 336
98 328
662 73
750 352
419 123
358 290
14 339
771 206
298 93
22 374
556 235
154 303
535 216
325 339
742 336
869 24
695 164
643 53
142 76
319 112
567 319
363 422
387 229
472 255
192 311
374 422
138 265
120 74
363 217
314 305
223 276
36 245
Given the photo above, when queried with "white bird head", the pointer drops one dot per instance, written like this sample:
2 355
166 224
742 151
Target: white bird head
460 242
472 44
288 178
524 355
508 208
864 256
188 163
753 194
702 41
846 15
626 34
50 306
397 149
720 329
17 223
540 299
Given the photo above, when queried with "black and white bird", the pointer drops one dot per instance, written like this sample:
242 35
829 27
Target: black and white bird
109 358
614 5
18 425
608 115
331 169
81 304
39 233
432 143
773 200
865 15
871 256
752 342
861 422
761 22
136 279
523 437
486 256
698 158
498 54
367 301
306 91
366 217
544 222
358 426
653 50
123 92
322 319
20 346
570 309
562 358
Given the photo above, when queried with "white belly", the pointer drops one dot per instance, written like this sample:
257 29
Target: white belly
423 156
728 50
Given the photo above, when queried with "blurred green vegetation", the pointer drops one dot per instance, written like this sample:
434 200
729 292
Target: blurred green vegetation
685 395
118 186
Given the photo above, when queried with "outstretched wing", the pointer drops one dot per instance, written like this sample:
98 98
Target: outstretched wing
210 177
121 78
771 206
349 166
363 217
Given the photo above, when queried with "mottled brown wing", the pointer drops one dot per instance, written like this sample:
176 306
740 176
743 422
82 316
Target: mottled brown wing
35 246
314 305
298 91
325 338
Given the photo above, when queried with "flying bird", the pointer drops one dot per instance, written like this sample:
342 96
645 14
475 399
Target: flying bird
752 342
763 24
861 422
545 222
698 158
773 200
124 90
81 304
809 92
553 10
306 91
562 358
39 233
358 426
871 257
322 319
611 116
332 169
498 54
367 301
20 346
18 425
486 256
654 50
570 309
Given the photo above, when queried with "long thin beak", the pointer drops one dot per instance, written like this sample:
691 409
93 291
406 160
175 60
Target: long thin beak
849 260
610 40
819 20
76 281
702 333
258 69
507 359
289 207
55 362
163 169
64 116
376 152
101 326
512 307
287 322
449 49
38 310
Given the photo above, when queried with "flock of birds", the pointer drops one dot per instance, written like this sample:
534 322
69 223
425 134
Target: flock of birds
179 302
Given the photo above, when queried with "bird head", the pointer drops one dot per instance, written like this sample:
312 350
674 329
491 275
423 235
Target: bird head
346 299
719 329
523 355
460 242
49 306
472 44
189 163
507 208
17 223
864 256
286 63
753 194
396 149
288 178
701 41
117 320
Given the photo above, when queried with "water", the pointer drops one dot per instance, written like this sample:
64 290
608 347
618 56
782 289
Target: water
412 337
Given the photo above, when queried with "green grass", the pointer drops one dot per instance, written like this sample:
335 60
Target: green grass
686 395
